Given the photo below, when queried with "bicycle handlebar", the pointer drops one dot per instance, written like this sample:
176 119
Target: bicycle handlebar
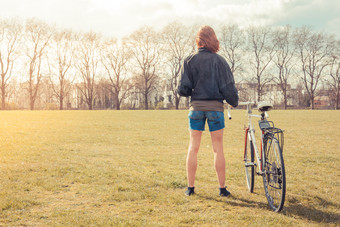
246 103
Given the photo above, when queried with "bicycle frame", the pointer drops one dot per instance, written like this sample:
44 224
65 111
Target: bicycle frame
250 134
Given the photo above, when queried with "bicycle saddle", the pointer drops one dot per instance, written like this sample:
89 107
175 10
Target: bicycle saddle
264 106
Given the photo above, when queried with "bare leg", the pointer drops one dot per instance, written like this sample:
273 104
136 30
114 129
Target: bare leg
219 161
194 145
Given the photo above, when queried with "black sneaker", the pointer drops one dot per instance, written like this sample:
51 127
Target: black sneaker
224 192
190 191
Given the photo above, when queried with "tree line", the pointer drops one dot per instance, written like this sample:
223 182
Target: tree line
33 53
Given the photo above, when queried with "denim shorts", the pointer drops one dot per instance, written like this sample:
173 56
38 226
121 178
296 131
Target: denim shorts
197 120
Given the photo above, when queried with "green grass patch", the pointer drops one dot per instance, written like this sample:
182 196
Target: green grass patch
127 168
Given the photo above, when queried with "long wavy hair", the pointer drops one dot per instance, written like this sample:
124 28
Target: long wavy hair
206 37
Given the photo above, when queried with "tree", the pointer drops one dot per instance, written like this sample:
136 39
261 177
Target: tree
37 37
314 48
145 47
232 43
178 44
63 52
88 58
10 34
284 53
334 73
104 97
114 57
262 49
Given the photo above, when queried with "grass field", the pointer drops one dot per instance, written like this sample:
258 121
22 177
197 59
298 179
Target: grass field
127 168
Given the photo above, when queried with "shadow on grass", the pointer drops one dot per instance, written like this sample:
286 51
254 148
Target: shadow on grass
294 208
236 201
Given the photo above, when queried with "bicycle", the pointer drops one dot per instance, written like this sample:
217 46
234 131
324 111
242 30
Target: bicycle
269 159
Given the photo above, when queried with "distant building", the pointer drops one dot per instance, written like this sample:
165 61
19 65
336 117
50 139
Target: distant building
322 100
271 93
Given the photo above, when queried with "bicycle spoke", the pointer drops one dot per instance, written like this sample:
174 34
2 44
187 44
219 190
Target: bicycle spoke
274 179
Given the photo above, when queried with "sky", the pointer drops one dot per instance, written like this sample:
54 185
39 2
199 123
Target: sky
119 18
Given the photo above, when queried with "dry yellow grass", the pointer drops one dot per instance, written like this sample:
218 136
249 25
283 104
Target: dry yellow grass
83 168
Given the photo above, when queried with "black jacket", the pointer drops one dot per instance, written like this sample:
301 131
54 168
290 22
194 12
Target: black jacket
207 76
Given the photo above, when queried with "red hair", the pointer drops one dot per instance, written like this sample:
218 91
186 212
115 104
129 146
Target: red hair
206 37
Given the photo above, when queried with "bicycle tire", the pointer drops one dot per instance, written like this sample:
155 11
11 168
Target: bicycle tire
249 162
274 177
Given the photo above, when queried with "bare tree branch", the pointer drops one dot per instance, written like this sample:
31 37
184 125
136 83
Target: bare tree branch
114 57
314 49
10 35
284 52
260 44
38 35
232 43
145 48
177 45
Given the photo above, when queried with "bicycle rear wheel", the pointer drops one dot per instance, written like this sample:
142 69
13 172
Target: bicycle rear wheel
274 178
249 162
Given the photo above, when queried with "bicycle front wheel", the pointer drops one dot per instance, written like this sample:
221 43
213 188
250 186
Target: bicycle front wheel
249 162
274 177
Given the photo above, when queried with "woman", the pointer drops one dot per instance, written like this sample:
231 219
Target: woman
206 77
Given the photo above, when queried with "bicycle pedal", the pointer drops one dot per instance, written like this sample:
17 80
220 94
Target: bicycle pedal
260 173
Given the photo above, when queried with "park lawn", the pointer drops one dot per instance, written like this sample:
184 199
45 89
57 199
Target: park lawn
127 168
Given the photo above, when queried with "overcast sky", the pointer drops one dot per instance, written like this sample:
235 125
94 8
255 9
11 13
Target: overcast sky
119 18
